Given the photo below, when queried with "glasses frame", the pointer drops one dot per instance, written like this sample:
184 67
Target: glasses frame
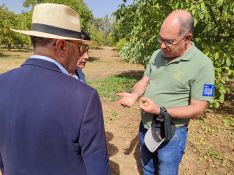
169 42
82 47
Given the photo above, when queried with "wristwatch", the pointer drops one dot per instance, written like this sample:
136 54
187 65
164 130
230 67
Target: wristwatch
162 110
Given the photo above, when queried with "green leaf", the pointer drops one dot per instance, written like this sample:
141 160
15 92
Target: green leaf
203 7
221 98
216 104
222 90
220 2
216 55
228 61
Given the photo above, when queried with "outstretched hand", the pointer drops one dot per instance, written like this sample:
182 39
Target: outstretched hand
149 106
128 99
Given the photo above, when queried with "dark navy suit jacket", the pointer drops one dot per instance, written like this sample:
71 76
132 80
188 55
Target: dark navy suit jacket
50 123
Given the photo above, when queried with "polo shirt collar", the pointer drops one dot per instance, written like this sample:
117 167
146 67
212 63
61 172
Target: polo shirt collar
186 56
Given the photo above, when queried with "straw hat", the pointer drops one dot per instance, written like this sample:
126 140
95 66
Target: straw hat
56 21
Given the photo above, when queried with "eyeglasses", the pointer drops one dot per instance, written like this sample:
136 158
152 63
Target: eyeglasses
167 42
83 49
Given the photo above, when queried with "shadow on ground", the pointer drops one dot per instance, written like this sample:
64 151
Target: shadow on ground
3 55
112 150
92 59
96 48
227 107
136 74
134 145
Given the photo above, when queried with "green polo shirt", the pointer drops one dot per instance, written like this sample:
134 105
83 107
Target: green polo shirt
173 84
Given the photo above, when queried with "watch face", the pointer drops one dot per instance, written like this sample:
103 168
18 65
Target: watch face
163 109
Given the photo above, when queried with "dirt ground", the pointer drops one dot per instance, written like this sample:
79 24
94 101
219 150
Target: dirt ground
210 148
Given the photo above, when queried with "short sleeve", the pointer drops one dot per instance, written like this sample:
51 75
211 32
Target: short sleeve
148 70
203 87
151 61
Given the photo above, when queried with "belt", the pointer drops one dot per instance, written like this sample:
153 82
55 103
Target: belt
181 125
159 125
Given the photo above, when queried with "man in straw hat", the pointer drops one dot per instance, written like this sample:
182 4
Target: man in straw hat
177 84
50 123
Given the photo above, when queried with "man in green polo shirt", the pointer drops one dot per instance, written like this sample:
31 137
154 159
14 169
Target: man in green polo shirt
180 79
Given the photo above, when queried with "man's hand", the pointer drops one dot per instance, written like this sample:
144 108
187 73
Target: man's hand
149 106
128 99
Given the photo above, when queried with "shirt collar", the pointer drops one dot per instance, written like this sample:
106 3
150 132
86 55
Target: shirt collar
186 56
63 70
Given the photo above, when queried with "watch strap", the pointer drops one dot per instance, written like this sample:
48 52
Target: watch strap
162 111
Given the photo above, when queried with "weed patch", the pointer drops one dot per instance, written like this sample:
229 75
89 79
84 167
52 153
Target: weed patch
112 85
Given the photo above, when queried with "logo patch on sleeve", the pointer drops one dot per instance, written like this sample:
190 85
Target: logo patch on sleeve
208 90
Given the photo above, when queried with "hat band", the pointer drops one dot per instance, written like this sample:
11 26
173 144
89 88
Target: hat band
56 30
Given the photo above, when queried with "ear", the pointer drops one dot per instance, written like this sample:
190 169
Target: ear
189 36
61 47
60 44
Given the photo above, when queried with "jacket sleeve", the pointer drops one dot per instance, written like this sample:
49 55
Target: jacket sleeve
92 139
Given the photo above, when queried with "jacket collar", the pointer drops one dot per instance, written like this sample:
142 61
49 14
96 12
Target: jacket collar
42 63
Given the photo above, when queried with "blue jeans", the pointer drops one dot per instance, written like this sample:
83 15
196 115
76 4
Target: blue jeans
166 159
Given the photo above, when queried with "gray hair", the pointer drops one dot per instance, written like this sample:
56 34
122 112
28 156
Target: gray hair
186 24
39 41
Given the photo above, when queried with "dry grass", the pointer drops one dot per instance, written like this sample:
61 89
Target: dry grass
12 59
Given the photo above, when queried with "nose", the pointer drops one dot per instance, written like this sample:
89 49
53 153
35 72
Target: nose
86 56
163 45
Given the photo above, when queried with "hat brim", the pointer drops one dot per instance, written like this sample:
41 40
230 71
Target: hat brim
52 36
150 142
